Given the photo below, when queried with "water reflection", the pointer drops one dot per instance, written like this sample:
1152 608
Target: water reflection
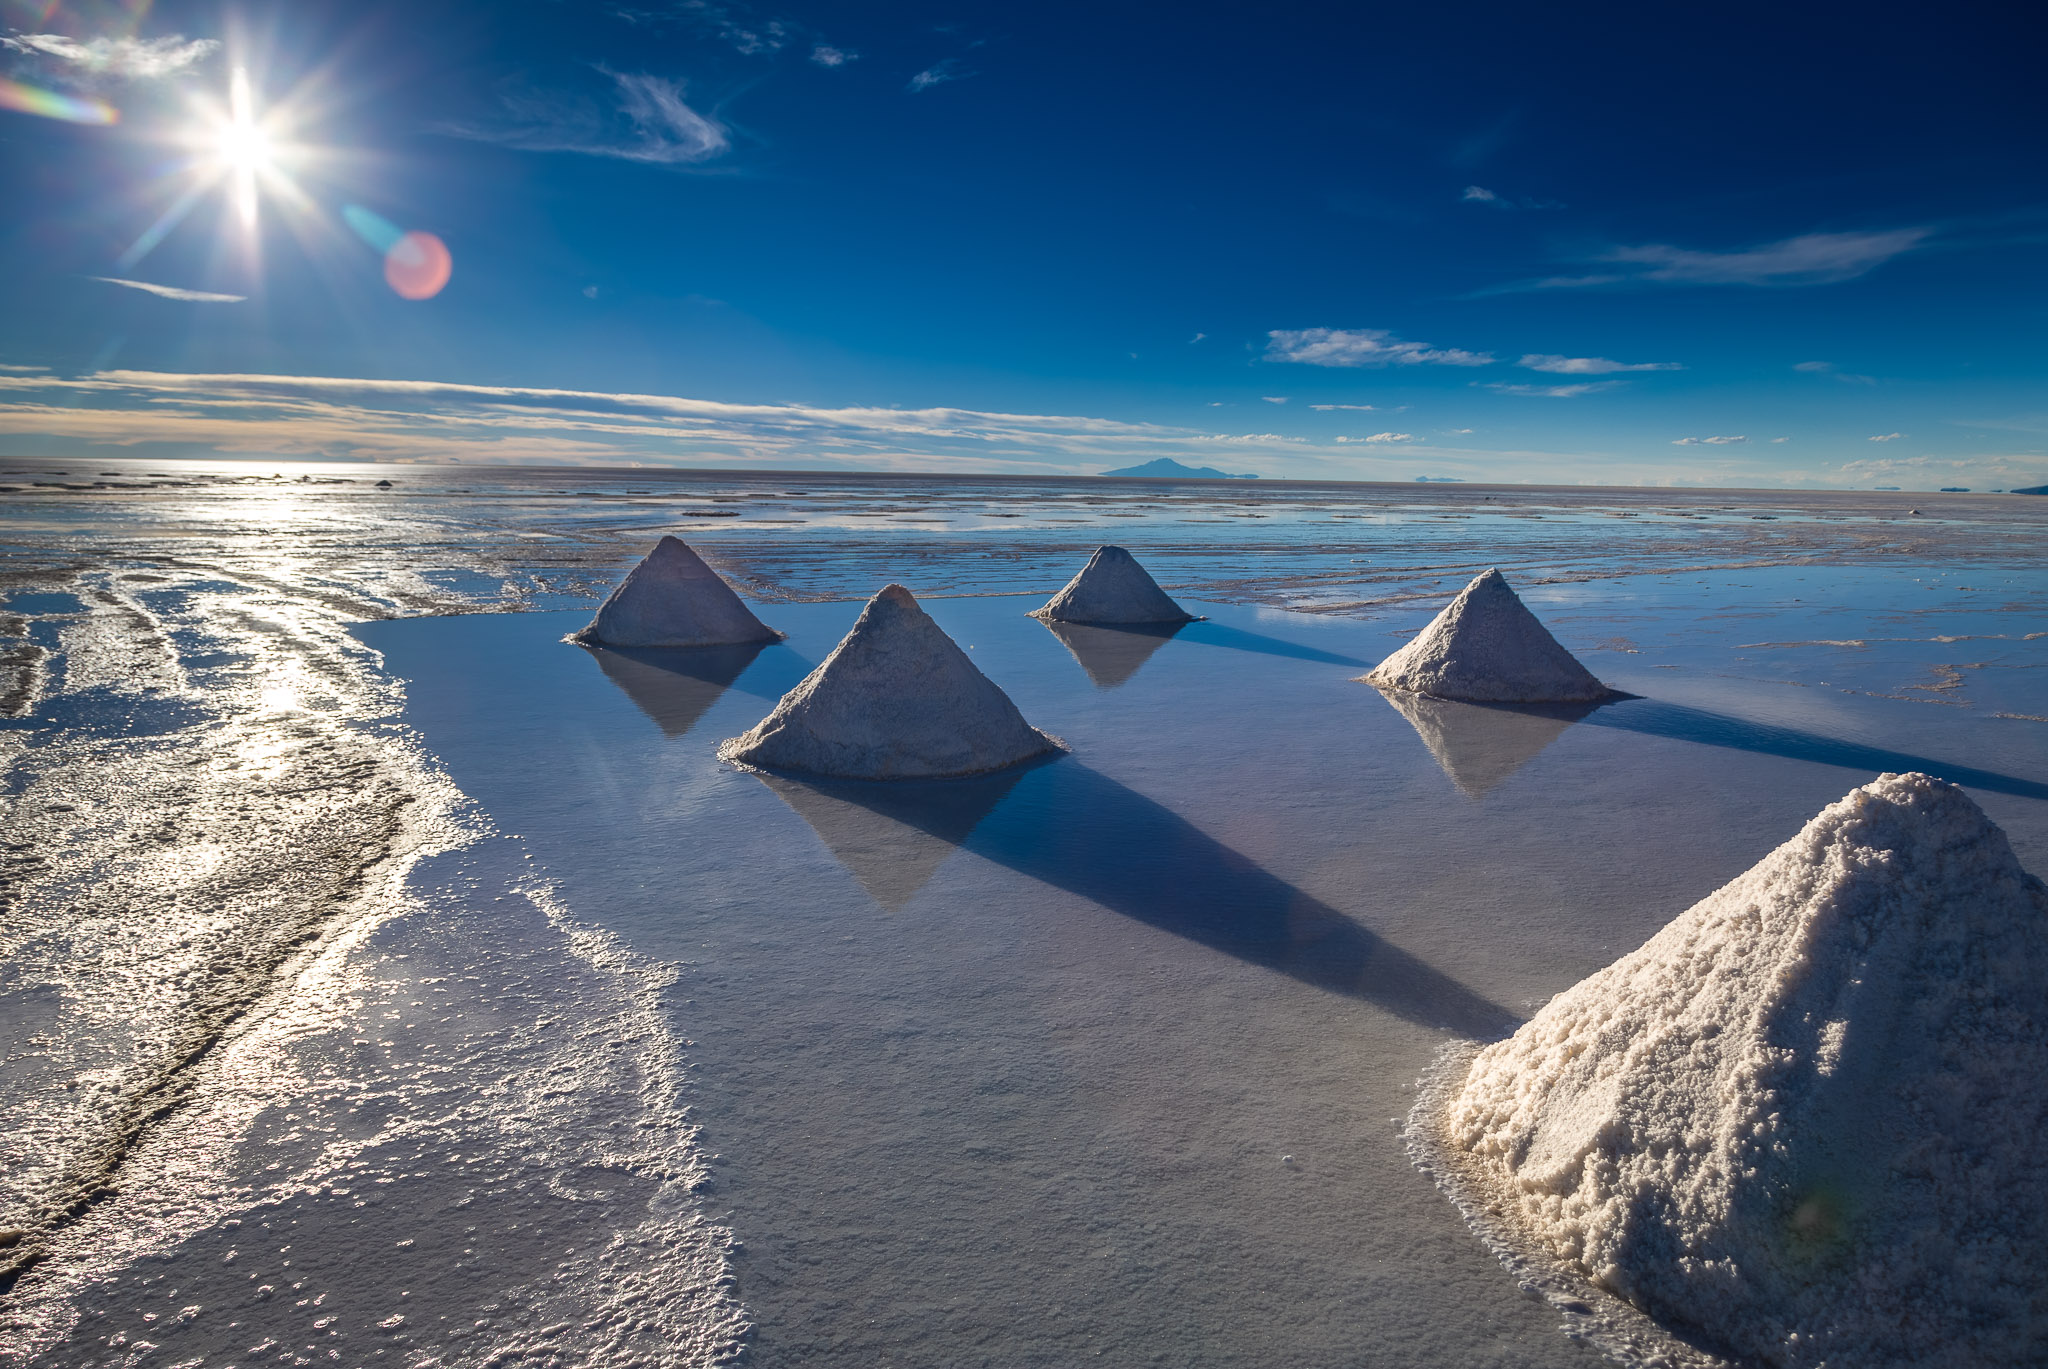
893 835
1655 718
675 686
1479 745
1112 652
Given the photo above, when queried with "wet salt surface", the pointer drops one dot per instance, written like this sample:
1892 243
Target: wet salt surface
1106 1056
950 1072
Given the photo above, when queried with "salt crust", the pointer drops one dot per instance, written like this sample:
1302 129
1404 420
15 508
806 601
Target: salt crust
1112 588
1486 647
896 699
673 599
1803 1122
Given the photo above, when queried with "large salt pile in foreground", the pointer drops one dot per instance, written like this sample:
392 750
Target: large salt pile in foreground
673 599
896 699
1808 1120
1486 647
1112 588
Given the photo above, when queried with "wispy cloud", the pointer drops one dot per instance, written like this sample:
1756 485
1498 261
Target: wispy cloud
827 56
650 122
126 59
1708 441
1591 387
172 291
1810 259
1590 366
2004 468
1196 338
1381 437
1887 437
1829 369
1274 399
938 73
1458 432
1348 408
1362 347
731 24
1479 194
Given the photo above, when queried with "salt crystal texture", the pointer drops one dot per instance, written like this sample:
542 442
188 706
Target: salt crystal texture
673 599
1806 1121
896 699
1112 588
1486 647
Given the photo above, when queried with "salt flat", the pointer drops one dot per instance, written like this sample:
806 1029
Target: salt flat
1104 1056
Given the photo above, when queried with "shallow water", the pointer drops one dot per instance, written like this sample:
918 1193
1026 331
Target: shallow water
1105 1057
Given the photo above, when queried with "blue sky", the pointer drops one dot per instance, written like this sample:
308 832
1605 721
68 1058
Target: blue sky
1701 245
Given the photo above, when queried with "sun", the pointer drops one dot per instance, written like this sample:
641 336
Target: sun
242 147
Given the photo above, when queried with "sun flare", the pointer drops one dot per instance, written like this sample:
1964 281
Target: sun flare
243 146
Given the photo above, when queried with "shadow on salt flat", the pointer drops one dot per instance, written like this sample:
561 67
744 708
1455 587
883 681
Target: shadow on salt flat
1208 632
1654 718
1074 828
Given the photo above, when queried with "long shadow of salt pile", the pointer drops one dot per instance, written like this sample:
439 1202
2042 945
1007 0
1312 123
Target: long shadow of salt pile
1655 718
1210 633
1076 829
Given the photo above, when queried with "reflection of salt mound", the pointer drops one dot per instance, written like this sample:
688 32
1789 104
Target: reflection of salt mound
893 836
673 599
1111 653
1480 745
896 699
1806 1118
1112 588
1486 647
675 686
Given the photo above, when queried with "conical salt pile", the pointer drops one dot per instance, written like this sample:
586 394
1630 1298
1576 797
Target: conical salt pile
1808 1120
896 699
1486 647
673 599
1112 588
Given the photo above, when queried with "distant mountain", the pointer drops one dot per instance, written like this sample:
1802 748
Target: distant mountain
2033 489
1166 468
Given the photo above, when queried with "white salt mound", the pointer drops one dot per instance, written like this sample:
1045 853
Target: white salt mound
1112 588
1486 647
896 699
673 599
1808 1120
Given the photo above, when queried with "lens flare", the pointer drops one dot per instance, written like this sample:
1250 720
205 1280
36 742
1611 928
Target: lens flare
418 266
50 105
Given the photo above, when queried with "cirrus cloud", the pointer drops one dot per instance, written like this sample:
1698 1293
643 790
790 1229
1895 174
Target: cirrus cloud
1362 347
1590 366
1708 441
